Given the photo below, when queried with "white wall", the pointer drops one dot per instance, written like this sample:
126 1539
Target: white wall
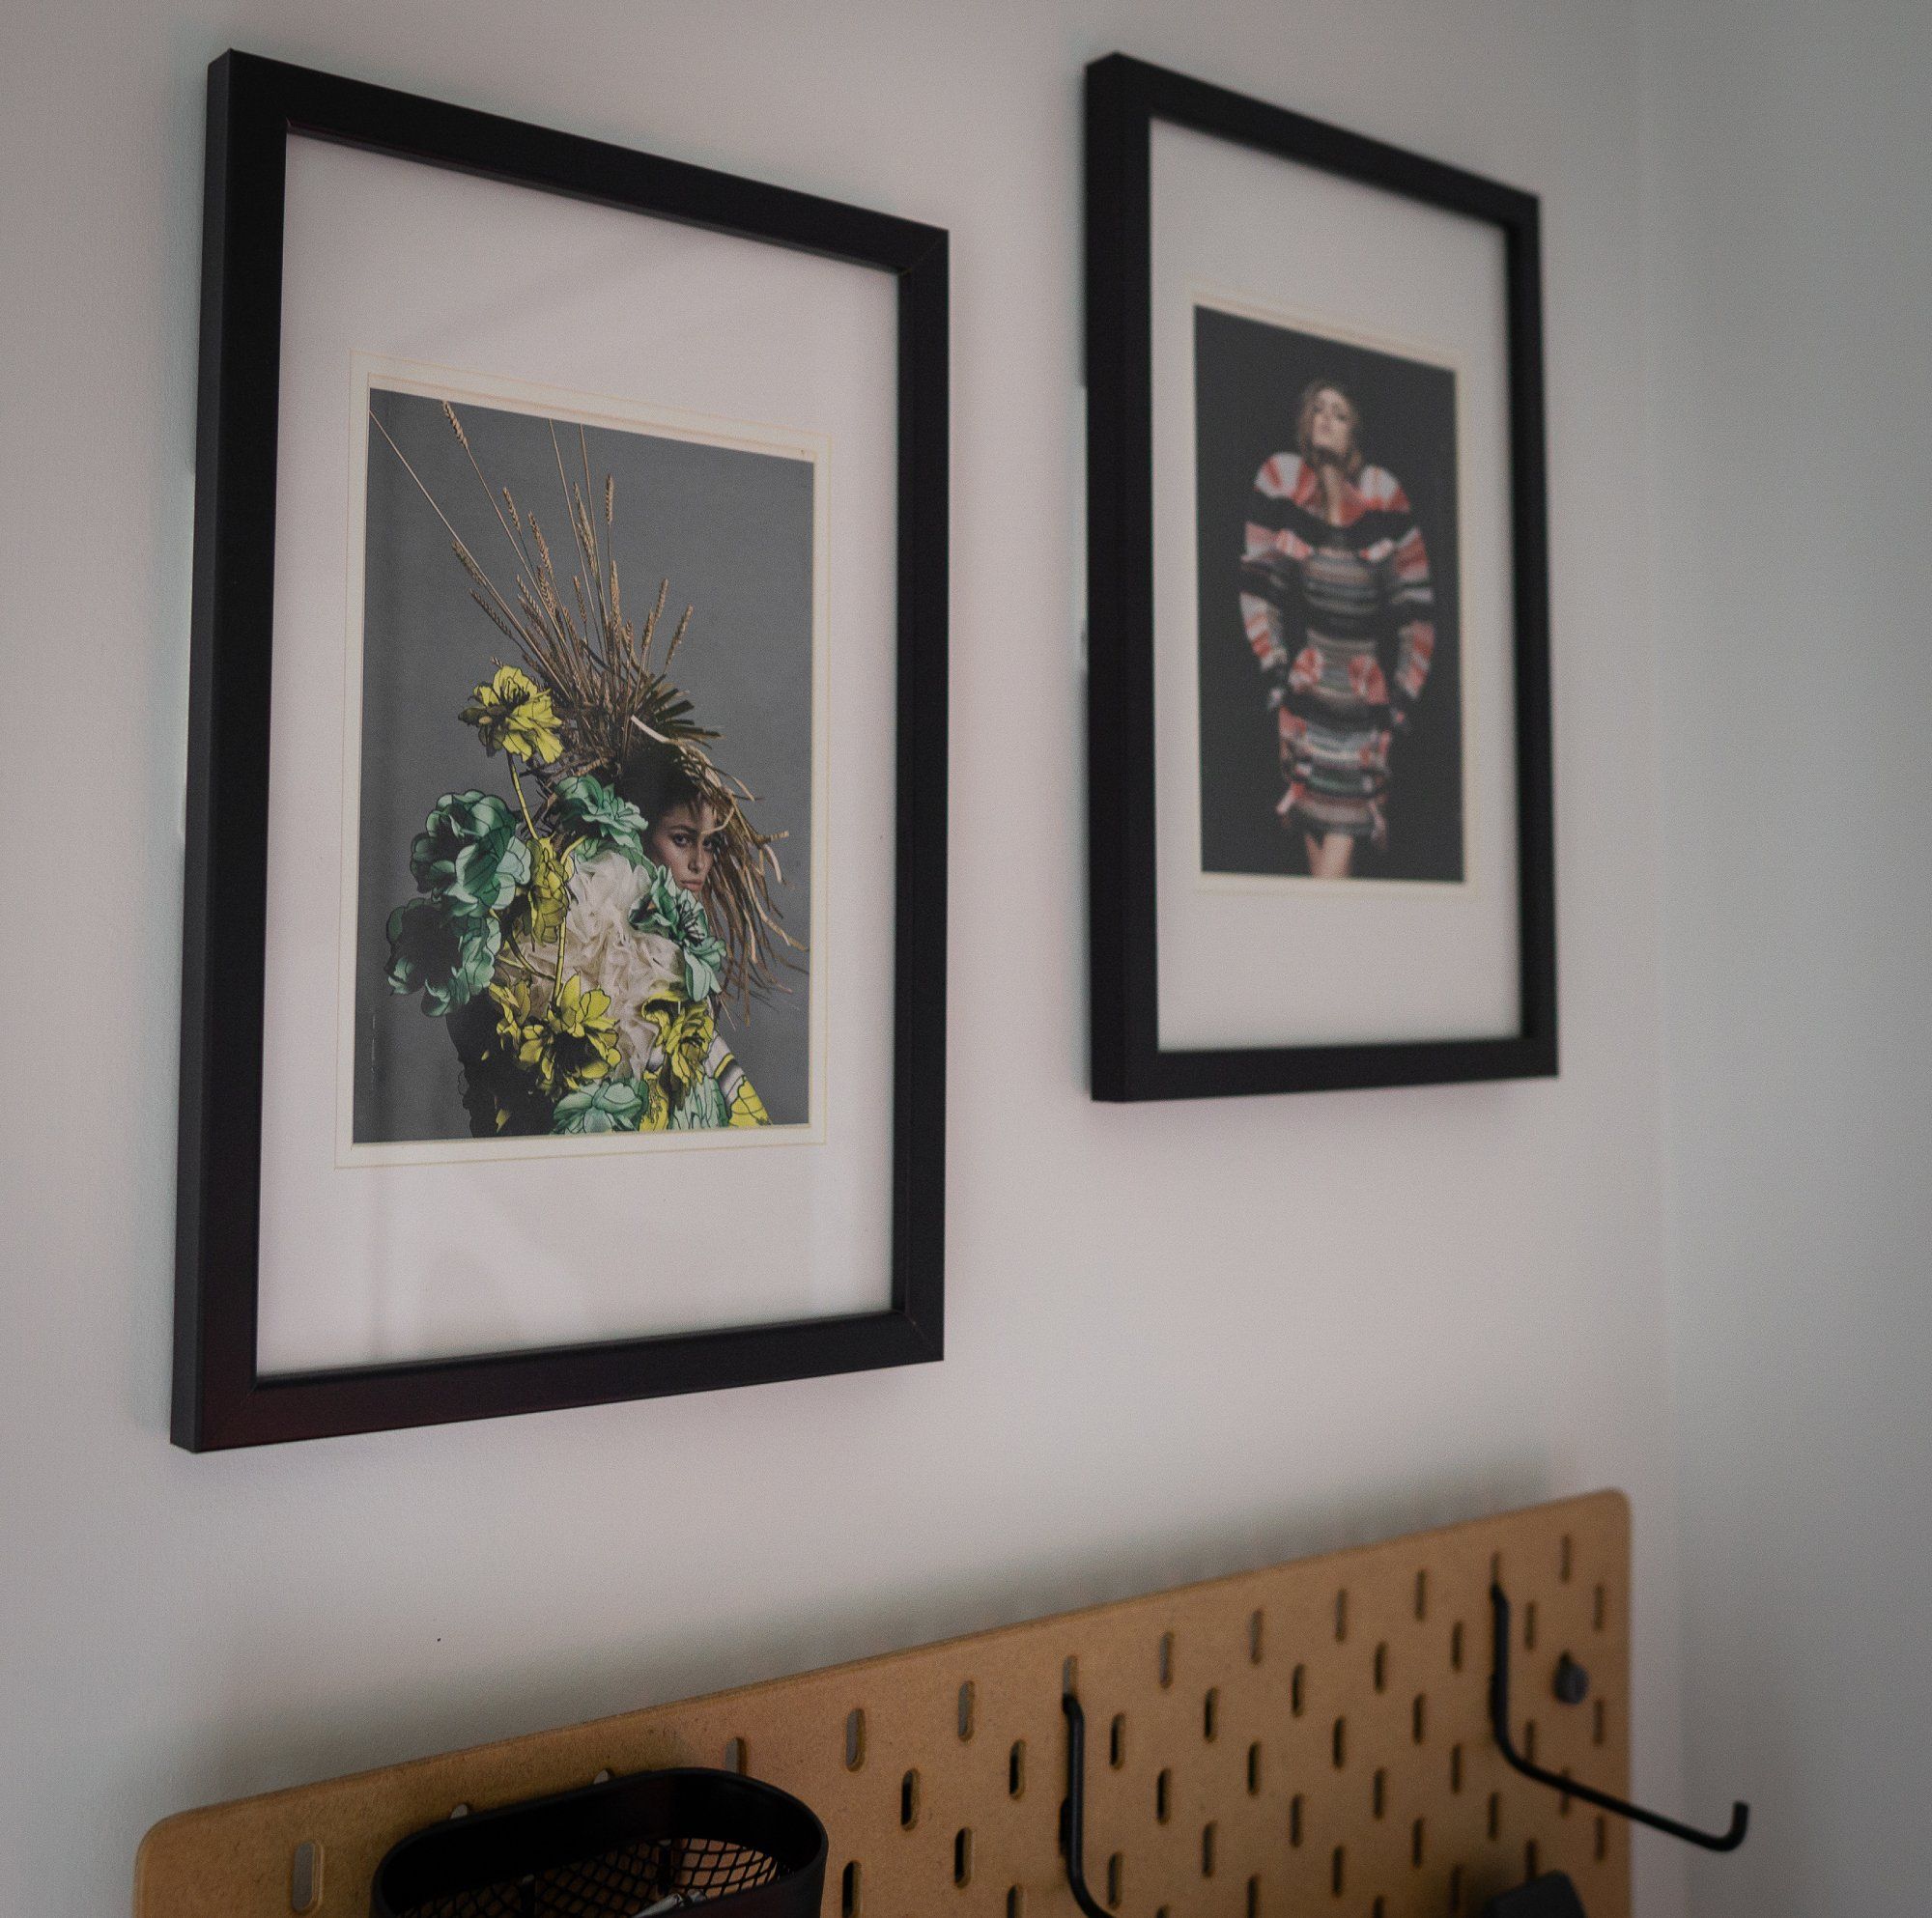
1181 1340
1791 444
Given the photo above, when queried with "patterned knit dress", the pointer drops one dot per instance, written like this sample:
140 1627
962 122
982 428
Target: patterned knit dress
1340 616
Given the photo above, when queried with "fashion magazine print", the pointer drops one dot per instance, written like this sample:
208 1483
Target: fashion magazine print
1331 732
584 777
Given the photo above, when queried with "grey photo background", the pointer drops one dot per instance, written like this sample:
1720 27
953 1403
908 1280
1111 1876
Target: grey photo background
730 529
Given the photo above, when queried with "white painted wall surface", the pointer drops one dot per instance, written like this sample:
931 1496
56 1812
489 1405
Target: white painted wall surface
1791 462
1180 1339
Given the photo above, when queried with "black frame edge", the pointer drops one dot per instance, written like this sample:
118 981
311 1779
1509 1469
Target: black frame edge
1123 96
220 1400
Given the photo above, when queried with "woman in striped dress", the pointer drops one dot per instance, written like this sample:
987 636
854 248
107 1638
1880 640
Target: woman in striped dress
1336 600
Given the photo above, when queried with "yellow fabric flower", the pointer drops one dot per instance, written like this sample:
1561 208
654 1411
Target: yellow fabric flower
517 1019
575 1041
548 900
513 714
685 1030
747 1108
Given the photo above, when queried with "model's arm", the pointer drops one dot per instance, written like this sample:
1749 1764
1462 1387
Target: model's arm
1412 607
1270 553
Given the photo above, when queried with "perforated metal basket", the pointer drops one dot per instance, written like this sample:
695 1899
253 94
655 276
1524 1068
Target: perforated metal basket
670 1840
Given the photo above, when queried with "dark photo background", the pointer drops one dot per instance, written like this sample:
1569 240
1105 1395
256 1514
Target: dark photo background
1249 375
731 530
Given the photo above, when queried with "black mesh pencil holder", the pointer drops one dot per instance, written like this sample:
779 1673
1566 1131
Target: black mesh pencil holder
654 1842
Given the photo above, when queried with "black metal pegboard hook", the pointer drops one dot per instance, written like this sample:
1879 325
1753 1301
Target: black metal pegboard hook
1711 1841
1073 1813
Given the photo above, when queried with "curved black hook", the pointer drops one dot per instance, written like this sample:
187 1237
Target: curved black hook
1711 1841
1072 1834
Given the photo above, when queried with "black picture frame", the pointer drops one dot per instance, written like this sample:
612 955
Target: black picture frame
1125 97
220 1399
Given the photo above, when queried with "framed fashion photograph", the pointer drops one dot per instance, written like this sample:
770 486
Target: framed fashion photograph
1320 830
557 1028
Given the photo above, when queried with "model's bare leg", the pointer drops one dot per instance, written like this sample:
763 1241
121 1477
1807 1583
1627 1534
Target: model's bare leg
1330 856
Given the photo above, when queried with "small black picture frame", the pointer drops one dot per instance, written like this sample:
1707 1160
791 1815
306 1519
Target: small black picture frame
220 1397
1125 98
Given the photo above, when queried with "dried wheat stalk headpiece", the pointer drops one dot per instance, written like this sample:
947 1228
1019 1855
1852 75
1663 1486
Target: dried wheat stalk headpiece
618 712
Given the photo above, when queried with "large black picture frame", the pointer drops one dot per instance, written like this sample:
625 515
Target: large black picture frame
1125 97
220 1399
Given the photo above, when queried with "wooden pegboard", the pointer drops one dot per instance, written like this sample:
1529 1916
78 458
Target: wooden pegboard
1310 1738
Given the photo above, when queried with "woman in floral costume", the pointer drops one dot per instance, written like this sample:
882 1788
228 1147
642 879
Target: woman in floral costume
570 931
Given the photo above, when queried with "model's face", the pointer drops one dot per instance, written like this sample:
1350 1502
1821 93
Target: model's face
1331 426
685 841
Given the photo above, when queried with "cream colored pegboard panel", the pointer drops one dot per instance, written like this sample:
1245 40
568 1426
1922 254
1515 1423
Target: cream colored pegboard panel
1309 1738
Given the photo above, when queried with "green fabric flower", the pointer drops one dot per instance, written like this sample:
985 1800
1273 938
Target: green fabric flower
609 1105
590 810
702 1109
468 860
449 961
678 916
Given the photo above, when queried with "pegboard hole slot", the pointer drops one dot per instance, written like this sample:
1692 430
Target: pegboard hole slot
851 1900
1379 1909
855 1738
1598 1724
1069 1675
1455 1888
962 1857
1339 1743
1379 1792
1603 1838
1254 1771
737 1757
1254 1896
1422 1594
1418 1718
1495 1815
1163 1797
1255 1627
1382 1667
1164 1659
1455 1767
1456 1646
1419 1834
1016 1769
1294 1821
1117 1867
1529 1626
1297 1692
1210 1716
1529 1741
1207 1836
1341 1616
305 1877
1116 1740
1015 1902
1563 1799
967 1700
1565 1559
1338 1869
909 1800
1600 1607
1532 1862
